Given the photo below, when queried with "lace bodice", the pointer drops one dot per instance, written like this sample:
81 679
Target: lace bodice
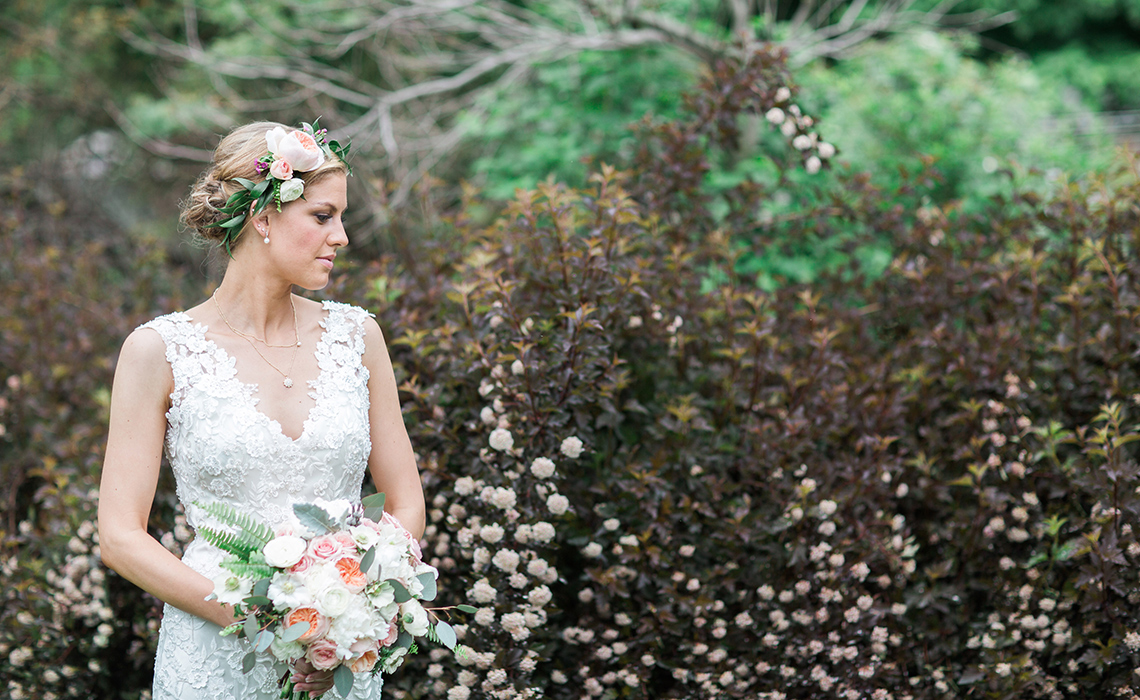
221 447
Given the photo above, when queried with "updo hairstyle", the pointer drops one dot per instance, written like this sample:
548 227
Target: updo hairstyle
236 156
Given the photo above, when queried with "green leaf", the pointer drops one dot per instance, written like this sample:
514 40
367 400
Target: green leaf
260 188
343 679
446 634
402 594
373 507
248 662
264 639
428 580
470 610
250 628
248 184
368 558
262 586
233 222
314 517
405 641
257 600
295 631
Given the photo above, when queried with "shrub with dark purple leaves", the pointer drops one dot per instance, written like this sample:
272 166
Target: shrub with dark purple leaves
652 479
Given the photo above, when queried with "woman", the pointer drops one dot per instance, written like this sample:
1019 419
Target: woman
223 387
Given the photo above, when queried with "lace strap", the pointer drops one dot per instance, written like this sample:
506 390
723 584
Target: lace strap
344 328
184 346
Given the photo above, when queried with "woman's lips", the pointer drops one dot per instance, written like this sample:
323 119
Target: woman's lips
327 262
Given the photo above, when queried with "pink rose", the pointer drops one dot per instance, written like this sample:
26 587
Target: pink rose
299 148
325 547
393 635
346 540
303 565
281 169
322 654
364 655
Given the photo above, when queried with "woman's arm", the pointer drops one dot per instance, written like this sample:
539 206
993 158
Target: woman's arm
392 462
143 382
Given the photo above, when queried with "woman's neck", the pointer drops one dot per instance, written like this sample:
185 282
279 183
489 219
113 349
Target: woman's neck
253 307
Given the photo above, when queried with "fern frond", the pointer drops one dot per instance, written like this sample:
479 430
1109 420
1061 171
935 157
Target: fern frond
248 569
228 542
246 523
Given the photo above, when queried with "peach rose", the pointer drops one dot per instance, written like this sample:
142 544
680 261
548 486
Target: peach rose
318 623
299 148
322 654
365 653
350 573
325 547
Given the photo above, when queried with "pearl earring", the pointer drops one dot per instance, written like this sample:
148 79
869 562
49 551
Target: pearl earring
264 232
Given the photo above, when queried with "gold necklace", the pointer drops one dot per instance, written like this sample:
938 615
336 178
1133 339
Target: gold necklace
288 383
266 343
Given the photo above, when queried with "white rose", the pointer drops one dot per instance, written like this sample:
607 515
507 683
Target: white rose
333 600
812 165
826 150
414 617
775 115
571 447
299 148
283 552
395 660
292 189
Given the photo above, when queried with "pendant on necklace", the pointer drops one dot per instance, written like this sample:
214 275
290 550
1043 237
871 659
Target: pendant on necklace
288 383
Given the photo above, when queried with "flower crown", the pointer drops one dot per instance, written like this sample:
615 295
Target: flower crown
299 151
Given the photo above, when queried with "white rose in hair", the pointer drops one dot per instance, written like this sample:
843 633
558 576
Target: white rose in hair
285 551
292 189
300 149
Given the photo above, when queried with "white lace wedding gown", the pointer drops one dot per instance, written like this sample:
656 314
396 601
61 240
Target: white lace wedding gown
222 448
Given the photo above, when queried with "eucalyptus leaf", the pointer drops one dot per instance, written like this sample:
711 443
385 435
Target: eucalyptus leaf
404 641
257 600
343 679
428 580
248 661
446 634
264 639
373 507
314 517
295 631
368 558
402 594
250 628
262 586
469 609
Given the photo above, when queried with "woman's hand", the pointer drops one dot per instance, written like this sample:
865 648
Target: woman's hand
307 678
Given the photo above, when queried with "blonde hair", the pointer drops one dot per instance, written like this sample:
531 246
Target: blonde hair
236 156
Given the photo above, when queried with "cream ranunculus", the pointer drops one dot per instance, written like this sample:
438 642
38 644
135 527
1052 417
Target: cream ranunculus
300 149
283 552
334 600
415 618
292 189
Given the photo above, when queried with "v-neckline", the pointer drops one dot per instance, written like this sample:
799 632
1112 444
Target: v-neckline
248 390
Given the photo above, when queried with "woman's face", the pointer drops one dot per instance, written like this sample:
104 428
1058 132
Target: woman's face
306 234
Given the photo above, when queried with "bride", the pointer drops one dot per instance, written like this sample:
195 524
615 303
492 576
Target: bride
260 399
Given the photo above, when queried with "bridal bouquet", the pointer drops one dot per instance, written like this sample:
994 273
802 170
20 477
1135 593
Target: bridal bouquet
339 585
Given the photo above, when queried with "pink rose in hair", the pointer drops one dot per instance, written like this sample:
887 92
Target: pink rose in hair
325 547
322 654
281 169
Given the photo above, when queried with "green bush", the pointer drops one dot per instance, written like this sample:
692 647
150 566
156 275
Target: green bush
912 484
